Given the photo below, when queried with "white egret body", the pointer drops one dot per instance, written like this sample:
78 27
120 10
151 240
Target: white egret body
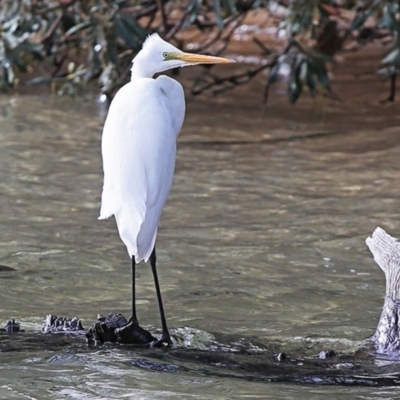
138 149
138 146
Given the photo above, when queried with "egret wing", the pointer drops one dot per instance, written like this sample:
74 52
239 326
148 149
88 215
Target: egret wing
138 147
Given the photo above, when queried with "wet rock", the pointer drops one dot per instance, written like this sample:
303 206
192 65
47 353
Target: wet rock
279 356
12 327
115 328
54 324
326 354
6 268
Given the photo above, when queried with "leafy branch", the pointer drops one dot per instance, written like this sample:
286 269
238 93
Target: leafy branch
70 43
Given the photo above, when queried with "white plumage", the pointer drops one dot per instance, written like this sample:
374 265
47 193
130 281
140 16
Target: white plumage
138 149
139 144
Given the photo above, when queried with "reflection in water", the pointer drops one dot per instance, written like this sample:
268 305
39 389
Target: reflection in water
261 243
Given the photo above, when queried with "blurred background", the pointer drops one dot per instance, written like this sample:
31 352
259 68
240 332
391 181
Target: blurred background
72 44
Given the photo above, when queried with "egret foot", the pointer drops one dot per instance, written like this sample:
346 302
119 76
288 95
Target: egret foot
165 341
133 333
115 328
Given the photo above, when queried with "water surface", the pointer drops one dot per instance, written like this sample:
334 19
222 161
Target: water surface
261 248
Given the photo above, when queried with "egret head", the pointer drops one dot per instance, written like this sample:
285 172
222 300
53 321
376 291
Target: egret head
157 55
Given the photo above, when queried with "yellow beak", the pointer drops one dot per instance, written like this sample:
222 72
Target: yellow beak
200 59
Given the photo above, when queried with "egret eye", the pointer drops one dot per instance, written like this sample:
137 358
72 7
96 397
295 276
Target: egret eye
166 55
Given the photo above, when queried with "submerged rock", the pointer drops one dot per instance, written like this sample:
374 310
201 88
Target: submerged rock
326 354
12 327
113 327
386 252
54 324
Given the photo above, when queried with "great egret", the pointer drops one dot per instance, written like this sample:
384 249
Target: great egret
138 149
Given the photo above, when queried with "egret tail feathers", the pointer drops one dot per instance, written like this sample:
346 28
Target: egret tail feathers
108 203
129 222
146 243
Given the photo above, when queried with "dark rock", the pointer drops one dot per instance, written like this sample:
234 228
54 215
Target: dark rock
115 328
326 354
279 356
12 327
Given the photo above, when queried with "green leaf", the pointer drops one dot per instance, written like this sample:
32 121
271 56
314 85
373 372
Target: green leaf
126 32
295 86
10 76
131 22
217 12
40 80
230 6
360 19
273 72
10 11
391 57
78 27
194 10
303 70
322 75
14 59
31 47
310 81
68 22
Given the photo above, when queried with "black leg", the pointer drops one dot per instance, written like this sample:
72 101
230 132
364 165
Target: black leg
133 289
165 338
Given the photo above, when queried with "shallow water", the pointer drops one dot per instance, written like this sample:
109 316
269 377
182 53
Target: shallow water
261 249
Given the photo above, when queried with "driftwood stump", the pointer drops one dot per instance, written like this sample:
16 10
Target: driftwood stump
386 252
